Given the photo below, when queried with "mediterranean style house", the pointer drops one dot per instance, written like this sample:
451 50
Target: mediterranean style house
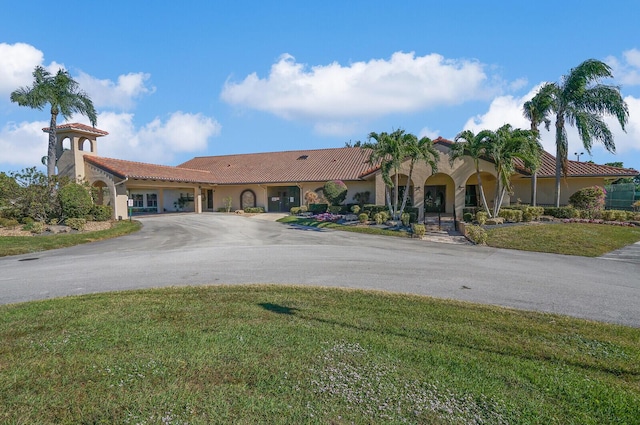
278 181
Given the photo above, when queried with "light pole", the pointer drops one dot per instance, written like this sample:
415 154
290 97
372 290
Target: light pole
578 155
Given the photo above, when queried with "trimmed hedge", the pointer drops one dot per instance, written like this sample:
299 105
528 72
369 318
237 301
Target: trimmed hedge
318 208
562 212
254 210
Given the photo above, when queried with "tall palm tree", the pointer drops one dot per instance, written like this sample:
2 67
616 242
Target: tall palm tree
505 145
581 101
62 93
418 151
474 146
536 111
389 152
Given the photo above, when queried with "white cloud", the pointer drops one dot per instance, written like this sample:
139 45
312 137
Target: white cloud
120 94
427 132
627 72
156 142
17 62
330 94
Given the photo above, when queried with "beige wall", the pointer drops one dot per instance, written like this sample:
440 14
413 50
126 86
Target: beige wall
547 188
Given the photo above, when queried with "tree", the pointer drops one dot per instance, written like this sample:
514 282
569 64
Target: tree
418 151
581 100
536 111
335 191
62 93
474 146
388 151
505 146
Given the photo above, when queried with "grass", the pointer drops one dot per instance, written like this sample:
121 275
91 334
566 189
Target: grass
276 354
14 245
589 240
310 222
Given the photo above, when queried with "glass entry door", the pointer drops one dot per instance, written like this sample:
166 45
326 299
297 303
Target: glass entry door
434 198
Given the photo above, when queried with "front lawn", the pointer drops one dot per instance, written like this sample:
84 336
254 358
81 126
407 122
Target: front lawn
293 355
311 222
14 245
589 240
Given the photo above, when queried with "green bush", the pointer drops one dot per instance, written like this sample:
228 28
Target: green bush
75 200
615 215
527 216
477 234
419 230
293 211
386 216
363 217
335 191
536 212
481 217
371 209
413 217
37 227
259 210
511 215
355 209
405 219
101 212
589 199
27 220
53 221
8 222
335 209
76 223
561 212
379 218
318 208
467 217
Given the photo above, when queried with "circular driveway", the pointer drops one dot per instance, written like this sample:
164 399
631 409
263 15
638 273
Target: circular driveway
190 249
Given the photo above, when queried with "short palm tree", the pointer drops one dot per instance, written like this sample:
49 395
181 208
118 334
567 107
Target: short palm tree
62 93
536 111
418 151
581 101
476 147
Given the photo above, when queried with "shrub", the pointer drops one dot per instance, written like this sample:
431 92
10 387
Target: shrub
335 191
527 216
318 208
101 212
379 218
636 206
75 200
511 215
614 215
76 223
386 216
310 197
335 209
362 198
561 212
53 221
467 217
228 202
590 199
405 219
294 210
355 209
413 217
536 212
363 217
476 234
481 217
8 222
419 230
27 220
37 227
255 210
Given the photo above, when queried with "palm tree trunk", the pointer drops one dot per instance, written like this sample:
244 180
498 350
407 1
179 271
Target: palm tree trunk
406 191
482 197
51 150
558 168
388 196
395 197
534 188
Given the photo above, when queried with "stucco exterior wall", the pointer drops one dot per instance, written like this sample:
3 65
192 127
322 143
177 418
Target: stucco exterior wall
547 187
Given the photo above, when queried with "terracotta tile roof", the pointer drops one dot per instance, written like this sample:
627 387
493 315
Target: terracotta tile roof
576 169
143 171
78 126
283 167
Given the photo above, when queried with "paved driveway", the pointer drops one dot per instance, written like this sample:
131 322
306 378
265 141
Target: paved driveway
214 248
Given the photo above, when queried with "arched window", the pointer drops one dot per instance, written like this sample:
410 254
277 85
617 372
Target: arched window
248 199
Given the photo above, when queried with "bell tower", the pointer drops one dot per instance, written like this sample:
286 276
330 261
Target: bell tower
73 142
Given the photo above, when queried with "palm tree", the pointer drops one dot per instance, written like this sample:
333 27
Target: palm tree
581 101
474 146
62 93
418 151
536 111
505 145
389 152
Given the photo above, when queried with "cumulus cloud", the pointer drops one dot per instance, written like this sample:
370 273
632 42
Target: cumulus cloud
120 94
156 142
626 71
17 62
330 95
427 132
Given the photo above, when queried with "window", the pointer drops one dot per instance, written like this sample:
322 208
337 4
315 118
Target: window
138 200
152 200
471 196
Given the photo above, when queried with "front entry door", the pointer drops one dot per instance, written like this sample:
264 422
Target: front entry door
434 199
282 199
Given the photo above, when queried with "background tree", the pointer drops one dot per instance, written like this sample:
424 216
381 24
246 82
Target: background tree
580 100
475 146
536 111
62 93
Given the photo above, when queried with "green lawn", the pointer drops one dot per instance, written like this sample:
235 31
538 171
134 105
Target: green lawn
275 354
14 245
589 240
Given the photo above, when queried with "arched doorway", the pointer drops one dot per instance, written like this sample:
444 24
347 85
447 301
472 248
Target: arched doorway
247 199
439 194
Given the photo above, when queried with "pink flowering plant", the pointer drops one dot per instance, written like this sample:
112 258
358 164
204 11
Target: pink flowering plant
327 217
589 199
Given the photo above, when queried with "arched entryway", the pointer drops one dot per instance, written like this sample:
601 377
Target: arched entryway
100 193
248 199
439 194
472 195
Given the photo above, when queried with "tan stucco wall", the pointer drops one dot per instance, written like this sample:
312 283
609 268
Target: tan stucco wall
547 188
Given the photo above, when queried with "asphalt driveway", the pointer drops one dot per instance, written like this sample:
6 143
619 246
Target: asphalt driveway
190 249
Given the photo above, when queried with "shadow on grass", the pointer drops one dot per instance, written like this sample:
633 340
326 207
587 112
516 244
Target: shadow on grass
277 308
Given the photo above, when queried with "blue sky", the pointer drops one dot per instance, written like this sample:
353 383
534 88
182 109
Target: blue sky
173 80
